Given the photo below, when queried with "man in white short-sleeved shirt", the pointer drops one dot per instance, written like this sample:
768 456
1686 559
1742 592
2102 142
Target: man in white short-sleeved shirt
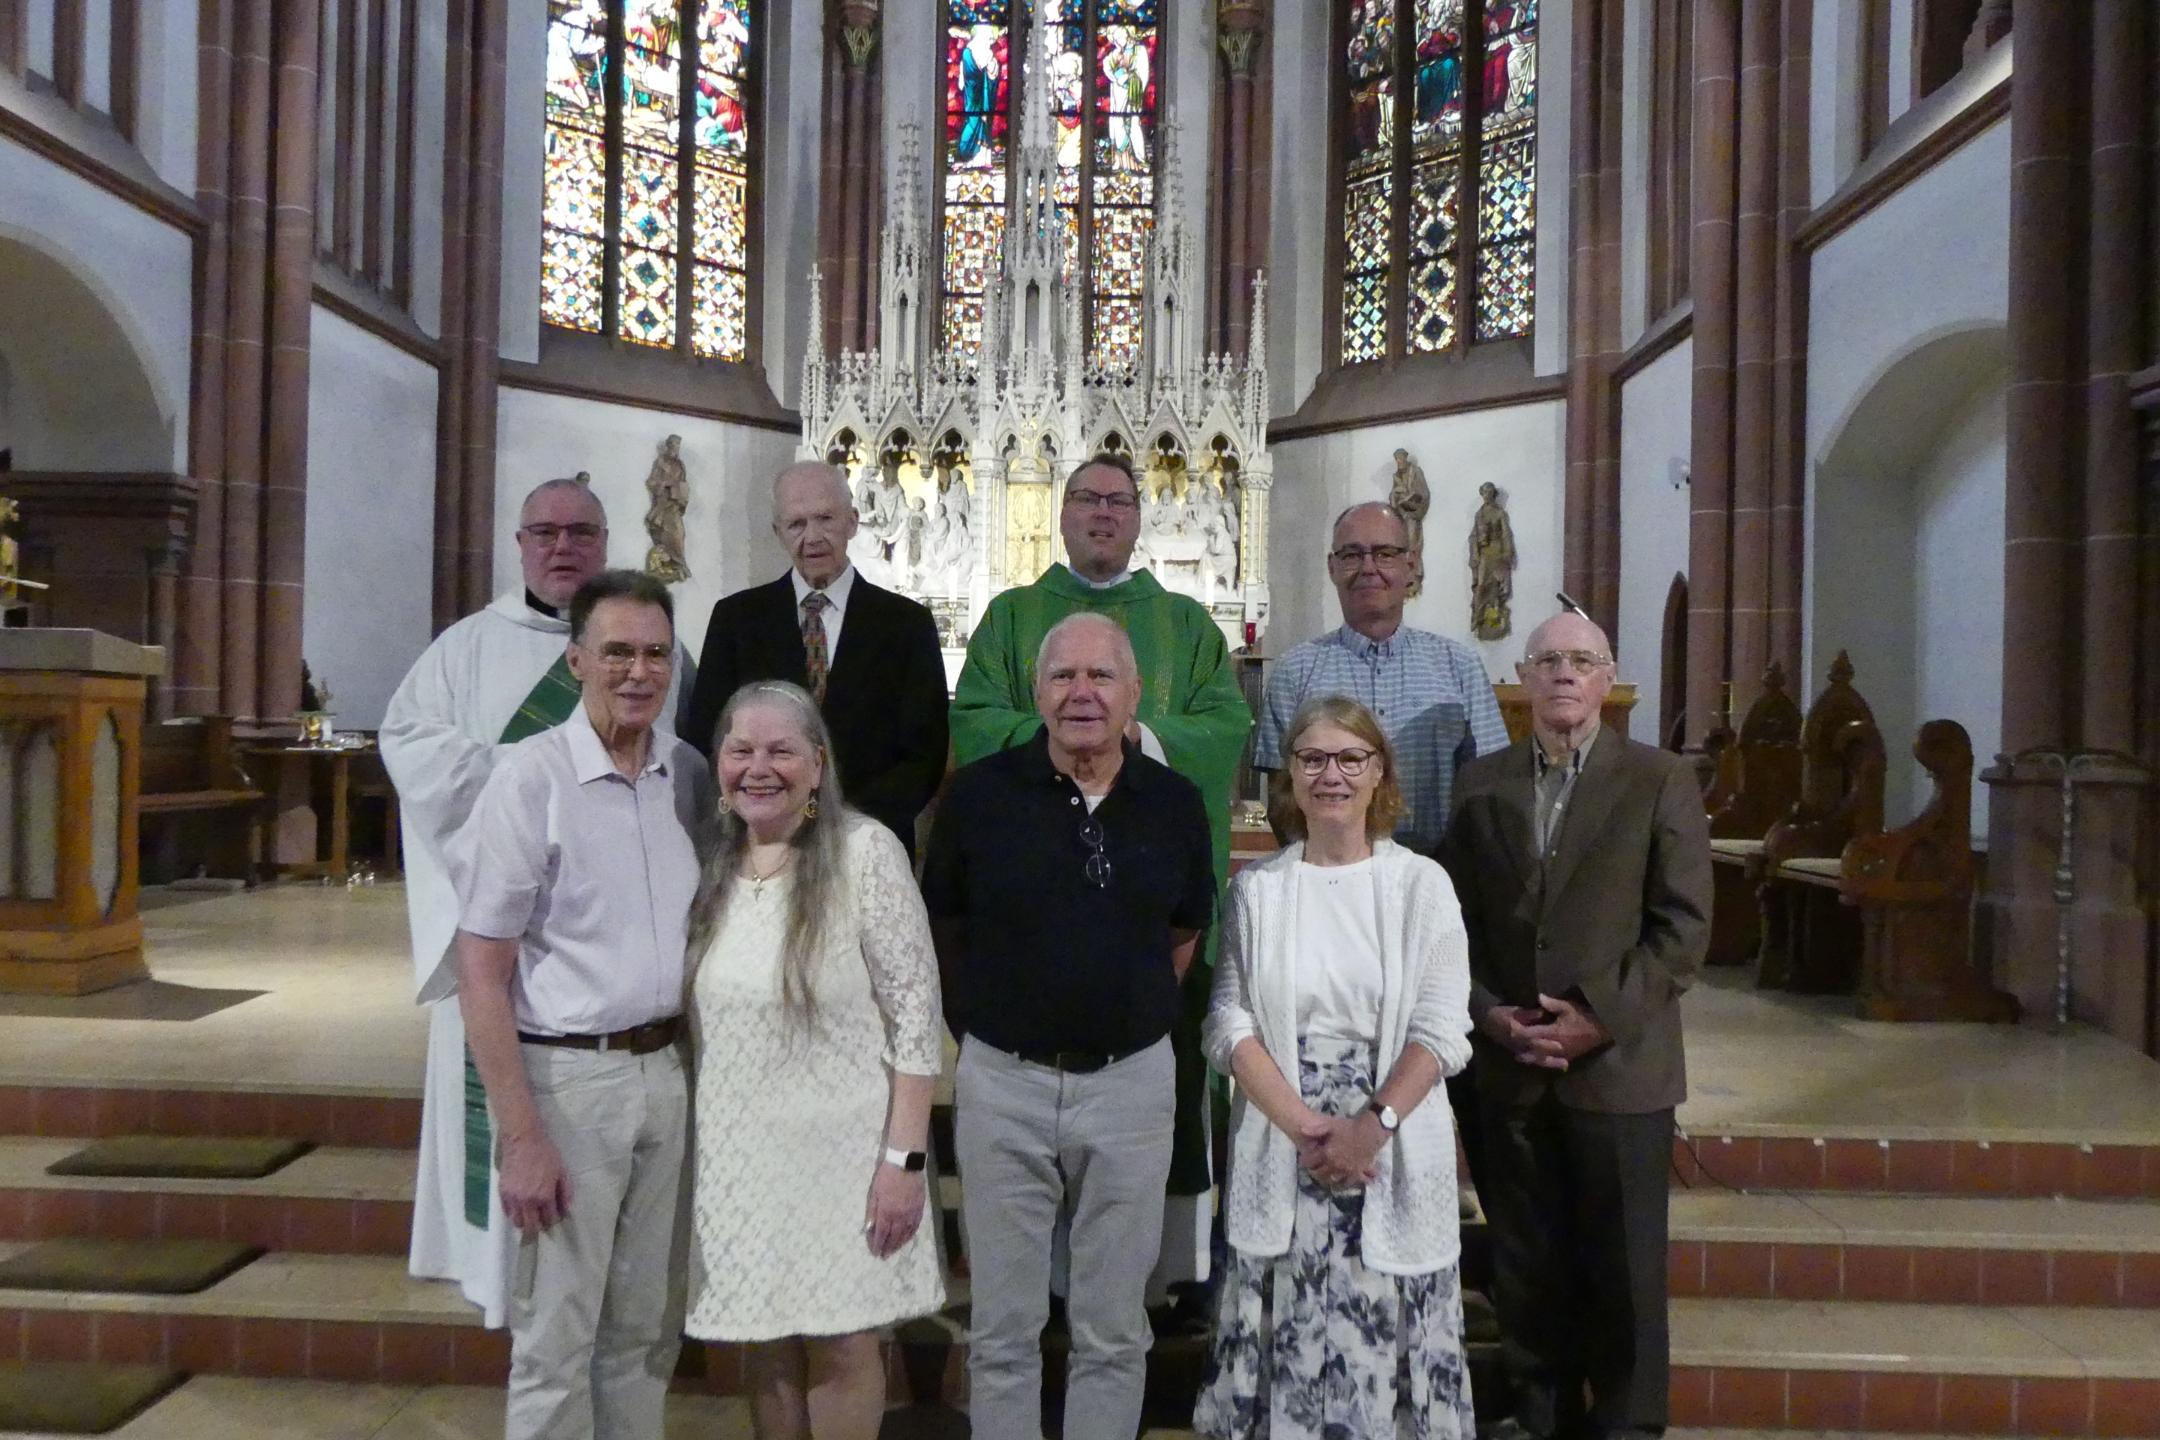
570 943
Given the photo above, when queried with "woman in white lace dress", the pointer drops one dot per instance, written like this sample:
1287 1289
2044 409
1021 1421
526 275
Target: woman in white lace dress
814 999
1341 999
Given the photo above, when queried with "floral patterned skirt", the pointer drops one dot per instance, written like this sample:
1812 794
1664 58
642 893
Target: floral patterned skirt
1311 1345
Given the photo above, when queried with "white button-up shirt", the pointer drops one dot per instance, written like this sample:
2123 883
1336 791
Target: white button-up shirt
592 873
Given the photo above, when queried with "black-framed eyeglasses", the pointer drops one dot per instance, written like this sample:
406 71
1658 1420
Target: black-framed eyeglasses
1582 662
582 533
1097 869
1117 500
1354 556
1351 762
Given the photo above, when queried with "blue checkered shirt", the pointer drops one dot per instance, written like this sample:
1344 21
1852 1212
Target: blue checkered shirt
1430 694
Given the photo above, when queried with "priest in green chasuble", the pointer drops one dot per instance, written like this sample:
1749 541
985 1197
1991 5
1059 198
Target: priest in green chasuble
1192 716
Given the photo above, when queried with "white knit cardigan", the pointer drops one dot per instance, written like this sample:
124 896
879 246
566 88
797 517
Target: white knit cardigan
1411 1220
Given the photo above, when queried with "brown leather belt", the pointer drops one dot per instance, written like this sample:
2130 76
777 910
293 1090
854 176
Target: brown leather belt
638 1039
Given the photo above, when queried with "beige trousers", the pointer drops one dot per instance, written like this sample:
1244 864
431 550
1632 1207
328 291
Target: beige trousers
596 1307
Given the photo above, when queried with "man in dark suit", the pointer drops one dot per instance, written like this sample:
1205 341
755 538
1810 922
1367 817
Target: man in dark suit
870 657
1582 861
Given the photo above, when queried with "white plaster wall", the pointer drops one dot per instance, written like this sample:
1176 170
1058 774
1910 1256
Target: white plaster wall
524 160
1297 202
1521 449
1556 59
794 135
731 467
165 94
140 270
1834 99
1958 589
1654 499
368 608
1931 261
1905 454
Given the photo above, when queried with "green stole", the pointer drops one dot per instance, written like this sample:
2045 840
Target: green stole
551 702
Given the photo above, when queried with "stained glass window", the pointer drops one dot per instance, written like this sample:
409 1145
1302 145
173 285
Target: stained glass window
1438 174
1102 63
644 226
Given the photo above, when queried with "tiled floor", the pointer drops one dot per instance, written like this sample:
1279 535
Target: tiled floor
336 1015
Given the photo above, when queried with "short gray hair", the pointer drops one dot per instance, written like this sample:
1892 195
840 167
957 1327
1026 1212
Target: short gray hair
1081 618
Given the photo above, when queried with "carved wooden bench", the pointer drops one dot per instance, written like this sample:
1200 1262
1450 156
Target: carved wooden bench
192 768
1810 941
1756 784
1913 887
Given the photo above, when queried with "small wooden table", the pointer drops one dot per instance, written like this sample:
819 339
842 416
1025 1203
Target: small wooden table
297 845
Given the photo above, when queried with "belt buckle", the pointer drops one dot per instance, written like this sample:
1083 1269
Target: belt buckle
603 1043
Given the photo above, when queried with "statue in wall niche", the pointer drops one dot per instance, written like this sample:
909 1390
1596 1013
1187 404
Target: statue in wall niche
1218 528
1492 566
668 483
1412 499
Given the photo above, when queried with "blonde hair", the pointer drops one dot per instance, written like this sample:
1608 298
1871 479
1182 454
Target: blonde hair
1387 805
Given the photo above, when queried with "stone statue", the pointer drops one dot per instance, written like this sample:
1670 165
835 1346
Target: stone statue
1492 567
1218 529
948 543
669 486
909 552
1412 499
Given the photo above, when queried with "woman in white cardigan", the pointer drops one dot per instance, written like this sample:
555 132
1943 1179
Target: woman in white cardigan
1341 999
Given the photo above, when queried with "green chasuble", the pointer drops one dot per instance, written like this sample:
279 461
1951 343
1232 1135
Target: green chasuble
1189 697
549 704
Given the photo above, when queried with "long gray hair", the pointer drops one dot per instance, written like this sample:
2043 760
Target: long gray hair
820 854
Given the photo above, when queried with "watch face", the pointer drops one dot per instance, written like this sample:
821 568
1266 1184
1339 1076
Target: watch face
1389 1119
916 1160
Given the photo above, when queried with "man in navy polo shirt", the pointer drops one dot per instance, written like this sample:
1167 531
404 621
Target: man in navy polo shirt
1068 880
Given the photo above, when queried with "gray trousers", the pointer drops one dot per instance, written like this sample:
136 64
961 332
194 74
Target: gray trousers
596 1308
1029 1139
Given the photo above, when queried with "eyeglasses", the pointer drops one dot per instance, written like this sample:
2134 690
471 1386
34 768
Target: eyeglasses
1097 869
1581 662
546 535
1117 500
1354 556
1351 762
620 658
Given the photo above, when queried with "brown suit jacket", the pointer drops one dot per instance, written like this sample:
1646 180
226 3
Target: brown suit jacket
1619 918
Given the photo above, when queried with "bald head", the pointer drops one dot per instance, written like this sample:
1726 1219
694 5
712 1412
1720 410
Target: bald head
567 494
1374 517
814 518
1567 669
1568 630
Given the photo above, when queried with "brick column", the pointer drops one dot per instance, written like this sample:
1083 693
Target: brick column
238 632
1711 261
851 168
1788 404
2081 564
1755 287
465 403
1239 171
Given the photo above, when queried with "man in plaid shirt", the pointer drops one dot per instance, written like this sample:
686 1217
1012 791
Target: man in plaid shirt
1430 693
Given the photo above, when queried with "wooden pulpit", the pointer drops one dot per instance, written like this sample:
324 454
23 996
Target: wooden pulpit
1515 708
71 709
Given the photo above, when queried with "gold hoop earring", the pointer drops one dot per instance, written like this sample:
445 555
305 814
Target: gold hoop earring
809 810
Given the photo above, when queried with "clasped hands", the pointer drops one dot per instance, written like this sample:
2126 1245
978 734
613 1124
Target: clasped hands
1339 1150
1549 1038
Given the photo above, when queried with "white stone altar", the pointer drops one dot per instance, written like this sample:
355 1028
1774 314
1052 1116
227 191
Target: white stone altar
957 461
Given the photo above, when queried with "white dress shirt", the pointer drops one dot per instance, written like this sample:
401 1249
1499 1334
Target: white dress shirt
835 612
592 873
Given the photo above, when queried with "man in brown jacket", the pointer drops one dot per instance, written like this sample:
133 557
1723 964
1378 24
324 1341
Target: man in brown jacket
1582 861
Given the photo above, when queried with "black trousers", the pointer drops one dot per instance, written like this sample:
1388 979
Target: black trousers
1577 1204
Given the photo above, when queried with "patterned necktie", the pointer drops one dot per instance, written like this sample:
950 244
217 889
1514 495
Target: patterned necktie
815 657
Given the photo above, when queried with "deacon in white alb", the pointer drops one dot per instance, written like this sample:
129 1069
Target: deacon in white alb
489 680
